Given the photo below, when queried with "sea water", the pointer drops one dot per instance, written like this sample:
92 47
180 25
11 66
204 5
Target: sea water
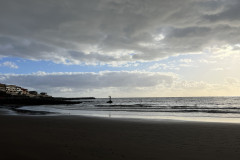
211 109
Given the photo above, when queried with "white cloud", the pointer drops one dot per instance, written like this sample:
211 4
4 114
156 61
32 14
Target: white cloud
9 64
185 60
162 66
218 69
207 61
185 65
191 85
158 37
155 66
232 81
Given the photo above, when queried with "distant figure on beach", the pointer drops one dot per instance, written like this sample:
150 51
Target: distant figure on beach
110 100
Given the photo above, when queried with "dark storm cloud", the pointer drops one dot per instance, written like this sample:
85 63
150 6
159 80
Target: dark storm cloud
72 31
229 13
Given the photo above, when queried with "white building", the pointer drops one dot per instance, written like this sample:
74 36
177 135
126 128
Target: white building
13 89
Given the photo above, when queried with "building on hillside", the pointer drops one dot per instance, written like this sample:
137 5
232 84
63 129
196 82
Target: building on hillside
33 93
43 93
15 90
24 91
19 90
12 89
2 87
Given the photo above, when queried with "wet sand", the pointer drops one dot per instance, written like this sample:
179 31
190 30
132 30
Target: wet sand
85 138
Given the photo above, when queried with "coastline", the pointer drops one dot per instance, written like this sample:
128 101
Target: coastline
23 101
79 137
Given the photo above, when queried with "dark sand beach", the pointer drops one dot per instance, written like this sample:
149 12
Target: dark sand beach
76 137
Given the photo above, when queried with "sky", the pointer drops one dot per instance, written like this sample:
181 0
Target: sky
122 48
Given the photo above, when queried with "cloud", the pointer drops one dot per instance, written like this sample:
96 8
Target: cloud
218 69
121 84
9 64
232 81
109 31
163 66
186 60
57 83
229 12
207 61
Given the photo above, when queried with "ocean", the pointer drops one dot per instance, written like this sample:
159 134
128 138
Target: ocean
210 109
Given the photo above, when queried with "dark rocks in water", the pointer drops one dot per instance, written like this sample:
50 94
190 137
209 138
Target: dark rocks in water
110 100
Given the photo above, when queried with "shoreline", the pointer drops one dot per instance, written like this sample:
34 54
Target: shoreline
80 137
17 110
20 101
